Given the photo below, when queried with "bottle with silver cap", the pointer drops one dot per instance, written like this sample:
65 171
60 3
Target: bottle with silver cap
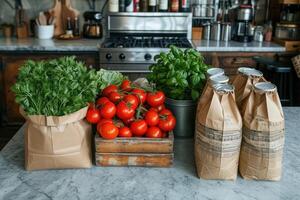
244 82
263 134
217 78
218 135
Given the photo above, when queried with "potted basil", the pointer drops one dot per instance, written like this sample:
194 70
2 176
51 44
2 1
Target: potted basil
181 75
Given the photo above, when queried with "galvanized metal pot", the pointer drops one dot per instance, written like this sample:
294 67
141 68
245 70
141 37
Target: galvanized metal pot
185 113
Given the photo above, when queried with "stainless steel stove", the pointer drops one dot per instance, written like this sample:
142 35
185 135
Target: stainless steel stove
135 38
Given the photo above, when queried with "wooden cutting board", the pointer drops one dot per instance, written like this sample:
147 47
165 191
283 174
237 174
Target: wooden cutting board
56 12
61 11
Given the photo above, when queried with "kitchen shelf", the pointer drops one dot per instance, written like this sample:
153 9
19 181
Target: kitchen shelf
289 1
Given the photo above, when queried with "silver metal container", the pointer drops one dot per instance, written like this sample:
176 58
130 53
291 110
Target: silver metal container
258 34
197 10
244 14
216 31
287 31
226 32
209 11
218 79
263 87
207 28
203 10
247 71
214 71
185 113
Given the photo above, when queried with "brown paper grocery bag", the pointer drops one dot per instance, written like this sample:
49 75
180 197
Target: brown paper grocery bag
243 85
263 137
218 138
57 142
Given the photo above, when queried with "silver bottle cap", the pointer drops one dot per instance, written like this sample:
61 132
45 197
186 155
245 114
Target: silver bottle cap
217 79
214 71
226 88
250 72
265 87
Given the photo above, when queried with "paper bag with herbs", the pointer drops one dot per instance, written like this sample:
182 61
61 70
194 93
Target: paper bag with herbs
53 96
53 142
263 136
218 137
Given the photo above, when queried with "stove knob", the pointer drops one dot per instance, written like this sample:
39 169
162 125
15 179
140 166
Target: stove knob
122 56
148 56
108 56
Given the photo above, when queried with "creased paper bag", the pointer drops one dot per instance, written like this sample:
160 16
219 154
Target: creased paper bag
57 142
218 137
263 137
243 85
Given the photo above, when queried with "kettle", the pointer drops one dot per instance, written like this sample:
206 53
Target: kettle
92 27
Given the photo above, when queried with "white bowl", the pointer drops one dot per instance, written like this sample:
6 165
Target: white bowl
45 31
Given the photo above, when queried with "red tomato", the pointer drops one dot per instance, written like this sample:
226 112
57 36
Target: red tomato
108 131
115 97
103 121
128 121
138 127
153 132
133 100
101 101
156 98
141 94
111 88
125 110
125 132
165 112
160 107
93 115
108 111
167 123
126 85
151 118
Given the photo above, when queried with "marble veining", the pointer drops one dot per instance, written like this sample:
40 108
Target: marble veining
179 182
233 46
33 44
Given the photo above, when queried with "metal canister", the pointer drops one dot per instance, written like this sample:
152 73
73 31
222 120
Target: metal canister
196 10
216 31
209 11
113 6
247 71
224 88
206 35
218 79
263 87
203 10
226 31
214 71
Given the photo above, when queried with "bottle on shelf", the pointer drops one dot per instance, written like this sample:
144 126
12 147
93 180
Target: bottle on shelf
143 5
129 5
185 5
113 6
122 6
76 27
69 30
268 32
152 7
136 5
174 6
163 5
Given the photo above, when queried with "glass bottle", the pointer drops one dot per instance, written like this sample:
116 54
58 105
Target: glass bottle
69 30
152 7
163 5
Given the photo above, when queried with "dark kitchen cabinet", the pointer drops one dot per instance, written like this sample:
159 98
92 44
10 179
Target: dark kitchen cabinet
10 64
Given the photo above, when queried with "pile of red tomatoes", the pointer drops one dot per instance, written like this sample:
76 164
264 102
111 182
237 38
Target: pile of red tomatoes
131 111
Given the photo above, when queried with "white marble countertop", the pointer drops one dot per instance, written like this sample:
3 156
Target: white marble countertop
233 46
33 44
178 182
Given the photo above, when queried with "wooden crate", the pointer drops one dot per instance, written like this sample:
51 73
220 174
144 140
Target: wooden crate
290 45
135 151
